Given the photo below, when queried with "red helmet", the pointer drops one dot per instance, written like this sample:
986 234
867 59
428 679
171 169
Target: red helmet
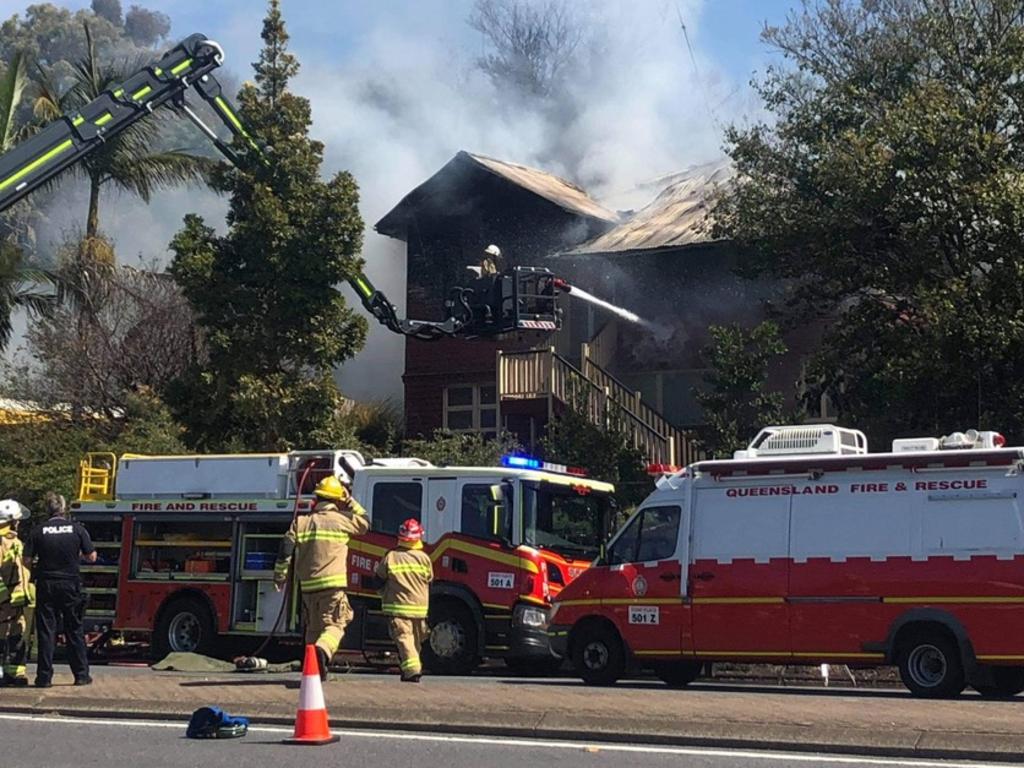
411 530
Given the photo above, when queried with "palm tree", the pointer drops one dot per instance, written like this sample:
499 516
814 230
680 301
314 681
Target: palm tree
21 286
12 86
128 161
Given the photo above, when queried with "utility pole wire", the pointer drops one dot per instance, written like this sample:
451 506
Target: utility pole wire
716 124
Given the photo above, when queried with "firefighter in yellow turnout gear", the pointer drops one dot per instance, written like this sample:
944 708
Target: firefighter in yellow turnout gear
17 596
405 598
318 542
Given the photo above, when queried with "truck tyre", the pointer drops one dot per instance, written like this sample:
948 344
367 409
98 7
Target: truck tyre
598 655
930 666
185 626
678 674
451 646
1006 683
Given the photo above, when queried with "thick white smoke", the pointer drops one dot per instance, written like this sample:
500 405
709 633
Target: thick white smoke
410 97
407 97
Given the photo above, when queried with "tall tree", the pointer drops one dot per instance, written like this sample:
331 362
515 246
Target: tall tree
887 189
736 401
128 161
529 53
145 27
265 292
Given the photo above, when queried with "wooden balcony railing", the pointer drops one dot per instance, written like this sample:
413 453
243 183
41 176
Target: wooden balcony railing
543 374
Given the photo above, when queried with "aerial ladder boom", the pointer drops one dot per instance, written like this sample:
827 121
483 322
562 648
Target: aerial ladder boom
520 298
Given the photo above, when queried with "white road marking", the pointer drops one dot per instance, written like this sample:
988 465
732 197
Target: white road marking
792 757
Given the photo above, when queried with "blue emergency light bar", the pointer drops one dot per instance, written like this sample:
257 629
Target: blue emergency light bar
528 462
522 462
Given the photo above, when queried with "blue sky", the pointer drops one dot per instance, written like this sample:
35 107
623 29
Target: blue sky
395 95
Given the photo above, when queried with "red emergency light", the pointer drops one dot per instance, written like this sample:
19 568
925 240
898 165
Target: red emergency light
662 469
998 440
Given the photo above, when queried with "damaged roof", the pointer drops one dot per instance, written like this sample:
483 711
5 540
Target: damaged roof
554 189
676 218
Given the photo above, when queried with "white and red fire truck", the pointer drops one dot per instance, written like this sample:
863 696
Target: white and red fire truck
805 548
187 547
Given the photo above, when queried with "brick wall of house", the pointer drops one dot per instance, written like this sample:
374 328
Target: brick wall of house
444 241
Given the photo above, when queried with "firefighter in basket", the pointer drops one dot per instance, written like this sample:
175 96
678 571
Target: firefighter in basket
318 543
17 597
407 572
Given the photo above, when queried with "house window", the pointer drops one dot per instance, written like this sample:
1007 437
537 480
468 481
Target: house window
471 408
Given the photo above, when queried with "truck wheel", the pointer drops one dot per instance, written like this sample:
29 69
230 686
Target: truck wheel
678 674
185 626
930 667
598 655
1006 683
451 646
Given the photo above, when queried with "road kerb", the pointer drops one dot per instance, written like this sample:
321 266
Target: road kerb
899 744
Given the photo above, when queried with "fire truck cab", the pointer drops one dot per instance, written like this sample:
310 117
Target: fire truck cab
187 547
806 549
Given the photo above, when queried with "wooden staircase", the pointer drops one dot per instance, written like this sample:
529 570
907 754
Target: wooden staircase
543 374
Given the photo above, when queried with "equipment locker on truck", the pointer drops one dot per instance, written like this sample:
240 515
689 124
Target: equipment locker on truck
807 549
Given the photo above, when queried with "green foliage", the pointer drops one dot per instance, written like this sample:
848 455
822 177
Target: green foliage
12 87
377 425
457 449
21 286
145 27
737 403
49 35
109 10
264 293
886 188
604 451
41 456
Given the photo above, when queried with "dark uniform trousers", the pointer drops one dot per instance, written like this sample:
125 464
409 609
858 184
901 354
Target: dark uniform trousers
63 600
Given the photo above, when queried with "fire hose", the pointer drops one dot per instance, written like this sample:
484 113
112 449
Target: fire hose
254 662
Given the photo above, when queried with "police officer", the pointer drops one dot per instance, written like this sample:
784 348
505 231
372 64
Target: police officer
58 546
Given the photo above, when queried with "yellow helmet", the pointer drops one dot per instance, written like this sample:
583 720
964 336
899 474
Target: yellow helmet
331 488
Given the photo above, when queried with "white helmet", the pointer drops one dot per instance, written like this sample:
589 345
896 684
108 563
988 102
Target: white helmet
10 510
493 250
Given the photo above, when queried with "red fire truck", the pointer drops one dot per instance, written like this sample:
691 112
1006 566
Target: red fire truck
805 548
187 547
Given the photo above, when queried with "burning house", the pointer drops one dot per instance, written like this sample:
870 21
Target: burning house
659 262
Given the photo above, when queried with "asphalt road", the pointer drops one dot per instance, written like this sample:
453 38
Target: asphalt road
51 742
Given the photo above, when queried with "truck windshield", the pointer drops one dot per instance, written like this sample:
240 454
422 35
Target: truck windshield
570 521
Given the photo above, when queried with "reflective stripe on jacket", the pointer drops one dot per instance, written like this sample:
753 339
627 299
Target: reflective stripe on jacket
407 574
319 544
15 585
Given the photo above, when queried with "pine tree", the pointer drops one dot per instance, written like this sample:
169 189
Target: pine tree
265 293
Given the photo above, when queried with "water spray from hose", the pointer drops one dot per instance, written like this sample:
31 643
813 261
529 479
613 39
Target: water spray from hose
590 298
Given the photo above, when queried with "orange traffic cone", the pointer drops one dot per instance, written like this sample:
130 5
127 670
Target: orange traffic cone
311 719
